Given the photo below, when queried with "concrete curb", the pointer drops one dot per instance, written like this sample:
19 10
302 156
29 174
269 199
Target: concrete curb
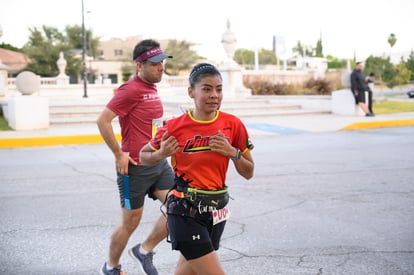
52 140
379 124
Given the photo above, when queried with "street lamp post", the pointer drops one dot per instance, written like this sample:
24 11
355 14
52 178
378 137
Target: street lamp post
85 92
90 48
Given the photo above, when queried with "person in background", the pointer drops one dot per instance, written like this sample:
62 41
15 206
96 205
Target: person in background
359 87
201 143
139 108
370 83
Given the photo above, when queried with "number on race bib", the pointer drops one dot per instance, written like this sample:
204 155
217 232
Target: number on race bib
220 215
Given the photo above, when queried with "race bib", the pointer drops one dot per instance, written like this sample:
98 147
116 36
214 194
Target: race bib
220 215
156 123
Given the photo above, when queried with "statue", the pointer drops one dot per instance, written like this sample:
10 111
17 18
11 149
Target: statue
61 63
62 78
230 70
229 42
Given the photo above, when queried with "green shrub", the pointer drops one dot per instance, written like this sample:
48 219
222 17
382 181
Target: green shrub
4 126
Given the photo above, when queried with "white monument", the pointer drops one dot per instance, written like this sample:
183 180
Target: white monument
98 77
230 70
281 50
3 79
3 73
343 101
62 78
29 111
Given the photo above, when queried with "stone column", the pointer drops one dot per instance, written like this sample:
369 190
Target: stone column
98 77
30 111
3 79
230 70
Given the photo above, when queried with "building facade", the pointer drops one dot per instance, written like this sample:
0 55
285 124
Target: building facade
14 61
113 61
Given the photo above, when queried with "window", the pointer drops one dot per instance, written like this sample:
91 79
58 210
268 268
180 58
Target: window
118 52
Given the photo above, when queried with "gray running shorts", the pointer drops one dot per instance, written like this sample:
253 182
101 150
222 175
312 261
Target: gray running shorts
142 180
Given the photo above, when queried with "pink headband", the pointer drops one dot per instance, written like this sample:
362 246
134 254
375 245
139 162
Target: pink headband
148 54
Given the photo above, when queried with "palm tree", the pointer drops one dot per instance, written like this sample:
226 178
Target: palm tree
392 39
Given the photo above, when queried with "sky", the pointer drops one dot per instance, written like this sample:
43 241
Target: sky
350 28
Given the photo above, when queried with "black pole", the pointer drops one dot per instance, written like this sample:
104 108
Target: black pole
89 39
85 92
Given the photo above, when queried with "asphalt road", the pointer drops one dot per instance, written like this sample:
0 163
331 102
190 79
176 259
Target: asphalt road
319 203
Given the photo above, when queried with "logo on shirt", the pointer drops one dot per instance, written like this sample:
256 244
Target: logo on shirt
197 144
150 97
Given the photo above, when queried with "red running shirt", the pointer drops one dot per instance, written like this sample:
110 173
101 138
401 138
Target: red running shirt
206 169
140 109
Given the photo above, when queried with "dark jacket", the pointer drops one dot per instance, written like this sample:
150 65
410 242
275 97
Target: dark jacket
358 81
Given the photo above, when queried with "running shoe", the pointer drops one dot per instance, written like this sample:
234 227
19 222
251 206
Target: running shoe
114 271
144 261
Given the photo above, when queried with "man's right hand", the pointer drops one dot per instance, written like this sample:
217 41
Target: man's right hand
122 161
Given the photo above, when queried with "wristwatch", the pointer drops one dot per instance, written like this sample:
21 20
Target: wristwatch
238 155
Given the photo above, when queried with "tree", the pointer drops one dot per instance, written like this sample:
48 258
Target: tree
74 36
183 56
387 72
336 63
391 75
401 75
10 47
43 50
47 42
376 65
244 56
319 48
299 49
267 57
303 50
392 39
128 68
410 64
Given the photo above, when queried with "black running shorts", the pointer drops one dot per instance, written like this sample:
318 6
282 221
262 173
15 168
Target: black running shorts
361 97
194 237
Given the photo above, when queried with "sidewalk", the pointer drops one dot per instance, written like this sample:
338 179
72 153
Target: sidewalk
324 123
89 134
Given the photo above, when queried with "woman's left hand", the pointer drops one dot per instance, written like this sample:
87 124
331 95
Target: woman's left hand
220 143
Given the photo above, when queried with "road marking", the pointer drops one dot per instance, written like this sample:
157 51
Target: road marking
273 128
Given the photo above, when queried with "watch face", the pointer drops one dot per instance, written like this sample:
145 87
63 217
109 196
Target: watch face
238 156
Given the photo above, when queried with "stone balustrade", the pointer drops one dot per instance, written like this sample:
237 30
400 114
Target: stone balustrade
44 81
